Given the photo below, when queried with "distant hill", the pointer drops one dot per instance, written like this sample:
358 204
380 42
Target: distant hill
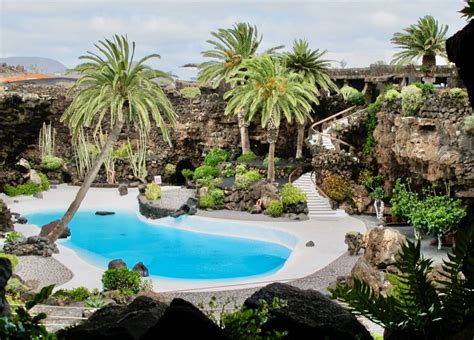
36 64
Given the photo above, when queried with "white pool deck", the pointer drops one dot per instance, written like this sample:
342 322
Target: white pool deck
328 236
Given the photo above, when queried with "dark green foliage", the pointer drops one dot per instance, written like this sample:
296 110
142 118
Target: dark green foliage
205 171
206 202
187 173
123 280
217 196
468 11
22 189
352 95
13 236
292 195
209 182
228 170
247 157
374 185
244 180
416 304
51 163
370 126
427 88
265 161
275 208
44 181
402 200
216 156
22 325
75 294
12 258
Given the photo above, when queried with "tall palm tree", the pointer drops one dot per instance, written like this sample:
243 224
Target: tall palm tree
230 48
269 89
308 63
424 40
113 87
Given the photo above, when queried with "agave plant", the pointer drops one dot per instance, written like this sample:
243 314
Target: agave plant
424 40
112 85
313 69
270 89
419 307
468 11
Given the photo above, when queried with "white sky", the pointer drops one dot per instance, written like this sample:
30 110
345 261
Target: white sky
358 32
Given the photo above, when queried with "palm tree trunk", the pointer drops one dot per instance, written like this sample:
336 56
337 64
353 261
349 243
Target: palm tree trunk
272 136
429 60
300 140
244 133
81 194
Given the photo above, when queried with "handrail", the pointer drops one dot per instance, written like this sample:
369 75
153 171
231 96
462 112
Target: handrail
299 167
342 142
332 117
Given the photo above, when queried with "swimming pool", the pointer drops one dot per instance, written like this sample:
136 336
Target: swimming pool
187 248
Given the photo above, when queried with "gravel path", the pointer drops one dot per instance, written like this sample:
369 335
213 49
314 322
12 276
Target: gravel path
44 270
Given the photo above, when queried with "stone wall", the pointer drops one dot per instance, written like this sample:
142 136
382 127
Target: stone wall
429 147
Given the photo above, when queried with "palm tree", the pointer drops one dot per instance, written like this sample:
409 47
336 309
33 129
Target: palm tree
113 86
313 69
424 40
230 48
269 89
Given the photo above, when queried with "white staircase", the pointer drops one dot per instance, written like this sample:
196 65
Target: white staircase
318 206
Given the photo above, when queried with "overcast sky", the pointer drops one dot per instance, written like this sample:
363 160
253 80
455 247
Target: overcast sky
358 32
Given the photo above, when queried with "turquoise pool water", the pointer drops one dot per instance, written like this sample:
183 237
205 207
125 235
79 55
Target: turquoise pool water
167 252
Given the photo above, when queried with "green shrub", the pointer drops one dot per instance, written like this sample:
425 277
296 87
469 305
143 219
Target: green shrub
122 279
44 181
247 157
337 187
244 180
123 151
277 160
352 95
403 200
51 163
190 92
456 92
205 171
13 236
187 173
391 95
94 301
217 196
412 100
152 191
228 170
469 124
16 287
75 294
274 208
170 169
426 88
370 125
240 169
292 195
216 156
22 189
13 259
206 202
209 182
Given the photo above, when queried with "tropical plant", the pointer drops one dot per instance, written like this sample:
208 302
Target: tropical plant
370 125
420 307
75 294
206 202
468 11
240 169
190 93
456 92
403 200
426 88
113 85
276 160
216 156
170 170
137 157
187 173
100 139
152 191
46 138
337 187
391 95
209 182
121 279
85 153
247 157
243 181
308 63
292 195
205 171
94 301
13 236
269 89
228 170
352 95
425 40
29 188
217 196
274 208
51 163
412 100
230 48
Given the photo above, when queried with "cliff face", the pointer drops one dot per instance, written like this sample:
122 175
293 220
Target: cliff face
431 147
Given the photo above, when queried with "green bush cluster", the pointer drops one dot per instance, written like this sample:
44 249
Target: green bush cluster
27 189
94 301
217 196
187 173
13 236
426 88
228 170
370 125
247 157
51 163
277 160
13 259
205 171
209 182
244 180
456 92
337 187
206 202
352 95
274 208
190 92
391 95
44 181
215 157
152 191
126 281
240 169
412 100
469 124
374 185
123 151
170 169
75 294
292 195
16 288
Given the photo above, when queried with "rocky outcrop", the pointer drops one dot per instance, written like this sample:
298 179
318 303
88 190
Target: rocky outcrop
308 314
172 203
430 147
33 245
460 50
6 223
5 274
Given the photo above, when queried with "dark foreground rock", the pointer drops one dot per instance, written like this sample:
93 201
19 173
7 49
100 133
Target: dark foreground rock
104 213
116 264
141 269
118 322
33 245
308 315
123 189
6 223
5 274
48 228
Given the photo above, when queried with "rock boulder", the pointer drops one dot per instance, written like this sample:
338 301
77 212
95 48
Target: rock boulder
382 246
117 264
5 274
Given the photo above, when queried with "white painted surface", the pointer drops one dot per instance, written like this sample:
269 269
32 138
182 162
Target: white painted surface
328 236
